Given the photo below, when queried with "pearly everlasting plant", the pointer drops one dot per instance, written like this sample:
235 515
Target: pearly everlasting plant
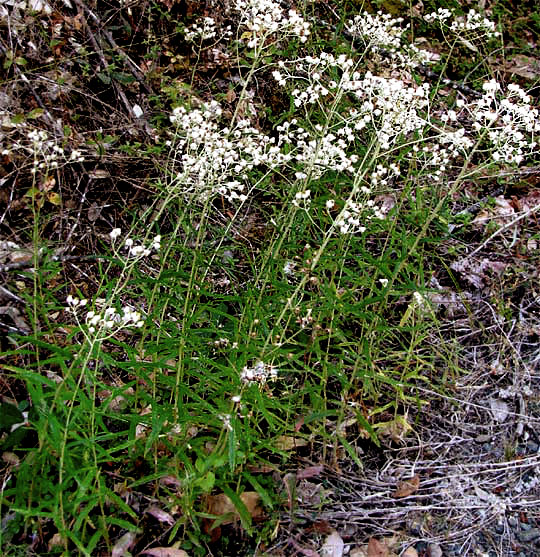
382 34
46 154
260 373
472 25
215 159
104 323
133 250
265 18
205 29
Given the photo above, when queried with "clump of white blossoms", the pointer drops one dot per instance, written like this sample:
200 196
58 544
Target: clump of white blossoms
302 199
259 373
381 33
354 216
215 159
205 29
136 250
46 154
473 25
264 18
390 106
511 122
507 124
317 152
107 322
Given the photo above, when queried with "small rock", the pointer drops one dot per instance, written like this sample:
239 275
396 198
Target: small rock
499 409
512 521
410 552
529 535
434 550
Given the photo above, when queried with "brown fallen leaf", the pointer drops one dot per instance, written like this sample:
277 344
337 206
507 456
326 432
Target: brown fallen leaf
524 66
309 472
376 548
165 552
407 487
160 514
289 443
220 505
333 546
122 546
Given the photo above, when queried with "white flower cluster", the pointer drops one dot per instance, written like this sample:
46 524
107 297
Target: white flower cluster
137 250
382 175
47 154
263 18
440 151
378 30
109 319
259 373
381 33
215 159
302 199
312 70
511 122
508 125
354 216
205 29
391 106
465 25
318 155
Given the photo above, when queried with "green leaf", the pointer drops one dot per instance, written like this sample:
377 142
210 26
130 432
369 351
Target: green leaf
36 113
10 415
367 426
350 450
105 78
266 499
123 78
207 482
245 517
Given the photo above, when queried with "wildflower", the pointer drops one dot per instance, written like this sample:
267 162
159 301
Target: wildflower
203 29
266 17
115 232
259 373
302 198
216 160
289 267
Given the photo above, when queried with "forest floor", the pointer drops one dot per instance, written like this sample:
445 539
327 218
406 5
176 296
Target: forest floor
269 278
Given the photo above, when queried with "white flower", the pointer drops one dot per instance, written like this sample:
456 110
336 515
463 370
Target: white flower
259 373
115 232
